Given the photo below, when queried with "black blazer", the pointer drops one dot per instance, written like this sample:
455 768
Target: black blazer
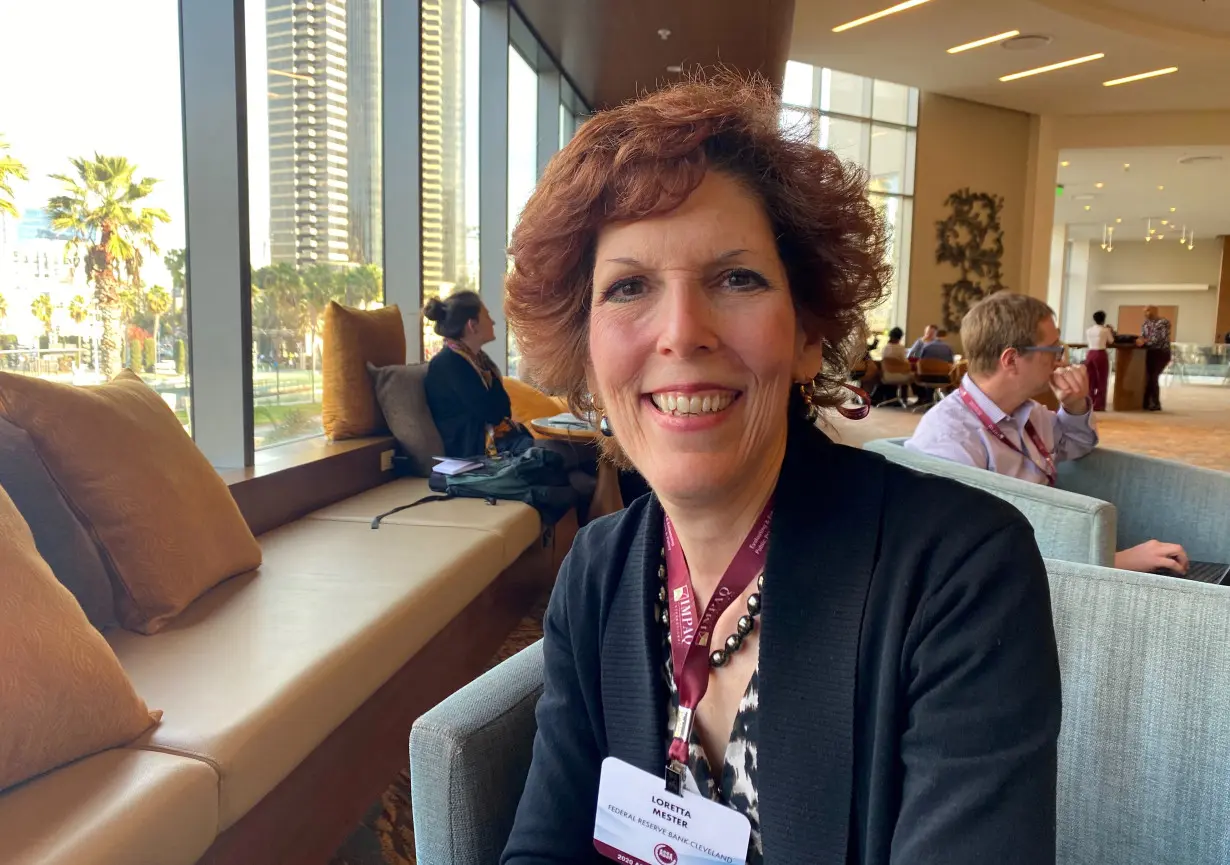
461 405
909 679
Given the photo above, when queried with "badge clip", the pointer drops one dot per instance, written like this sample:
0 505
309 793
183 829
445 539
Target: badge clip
674 777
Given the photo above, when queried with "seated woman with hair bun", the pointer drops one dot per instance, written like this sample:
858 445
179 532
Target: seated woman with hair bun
464 389
789 651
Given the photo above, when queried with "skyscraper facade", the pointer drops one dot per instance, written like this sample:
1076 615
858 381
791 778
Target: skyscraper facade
309 131
363 96
443 150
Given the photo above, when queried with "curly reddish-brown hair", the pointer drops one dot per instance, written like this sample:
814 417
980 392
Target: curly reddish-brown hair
645 158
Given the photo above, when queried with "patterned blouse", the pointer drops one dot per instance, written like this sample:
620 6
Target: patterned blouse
1156 333
736 787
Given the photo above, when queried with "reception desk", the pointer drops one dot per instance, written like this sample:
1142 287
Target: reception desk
1129 394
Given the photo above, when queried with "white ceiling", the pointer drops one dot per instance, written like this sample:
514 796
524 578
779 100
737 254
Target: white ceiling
1199 192
1136 35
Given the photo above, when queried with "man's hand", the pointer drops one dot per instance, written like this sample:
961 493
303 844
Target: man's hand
1152 555
1070 385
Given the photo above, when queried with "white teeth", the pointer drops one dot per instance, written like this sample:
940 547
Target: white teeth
682 404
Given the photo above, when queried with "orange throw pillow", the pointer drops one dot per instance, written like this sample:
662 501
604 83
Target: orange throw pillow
529 403
63 693
164 520
352 339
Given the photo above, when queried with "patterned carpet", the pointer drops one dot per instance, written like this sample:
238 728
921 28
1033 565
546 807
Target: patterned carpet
386 835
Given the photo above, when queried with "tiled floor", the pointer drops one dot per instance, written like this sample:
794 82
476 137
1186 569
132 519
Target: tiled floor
1194 427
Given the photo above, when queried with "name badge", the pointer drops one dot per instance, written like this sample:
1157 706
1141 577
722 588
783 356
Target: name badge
639 823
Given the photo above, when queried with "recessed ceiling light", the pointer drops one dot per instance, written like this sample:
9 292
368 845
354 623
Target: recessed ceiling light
1141 77
990 40
1088 206
1064 164
1165 222
876 16
674 70
664 34
1052 67
1173 209
1099 184
1126 166
1118 219
1160 188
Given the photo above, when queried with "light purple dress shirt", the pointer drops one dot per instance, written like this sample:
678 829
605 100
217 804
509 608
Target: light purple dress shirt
952 432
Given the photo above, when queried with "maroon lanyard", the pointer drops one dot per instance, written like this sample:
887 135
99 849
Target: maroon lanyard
993 429
691 635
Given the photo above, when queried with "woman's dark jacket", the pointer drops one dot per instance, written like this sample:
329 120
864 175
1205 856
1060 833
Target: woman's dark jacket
909 679
461 405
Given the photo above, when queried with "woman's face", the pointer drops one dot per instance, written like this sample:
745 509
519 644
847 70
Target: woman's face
694 342
483 327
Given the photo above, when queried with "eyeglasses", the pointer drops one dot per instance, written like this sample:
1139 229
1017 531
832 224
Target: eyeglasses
1052 350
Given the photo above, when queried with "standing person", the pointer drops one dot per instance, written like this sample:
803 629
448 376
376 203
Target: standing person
928 337
866 684
1155 337
1097 362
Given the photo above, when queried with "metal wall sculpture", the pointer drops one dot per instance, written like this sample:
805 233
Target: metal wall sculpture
971 239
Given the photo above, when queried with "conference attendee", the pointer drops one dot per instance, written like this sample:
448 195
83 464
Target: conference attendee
778 631
992 422
1097 362
465 391
1155 337
894 349
937 349
929 334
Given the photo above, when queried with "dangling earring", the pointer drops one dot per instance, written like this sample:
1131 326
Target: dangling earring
604 427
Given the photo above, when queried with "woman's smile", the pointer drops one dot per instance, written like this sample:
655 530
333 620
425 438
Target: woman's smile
691 408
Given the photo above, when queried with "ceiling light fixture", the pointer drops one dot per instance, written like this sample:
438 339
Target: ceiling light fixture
1161 188
1064 164
1141 77
1173 209
876 16
1052 67
1118 219
990 40
1088 206
674 70
1099 184
1127 166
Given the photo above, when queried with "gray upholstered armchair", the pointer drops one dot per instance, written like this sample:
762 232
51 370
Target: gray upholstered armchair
1144 752
1109 500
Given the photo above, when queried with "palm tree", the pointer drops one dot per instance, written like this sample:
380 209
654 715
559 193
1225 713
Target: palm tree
157 302
9 167
176 261
99 210
4 307
77 310
364 285
42 309
276 292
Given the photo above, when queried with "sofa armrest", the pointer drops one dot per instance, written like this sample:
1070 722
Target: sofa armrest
1067 525
1157 498
469 758
1144 753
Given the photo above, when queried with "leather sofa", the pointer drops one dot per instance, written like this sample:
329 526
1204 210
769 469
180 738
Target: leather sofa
287 692
1144 757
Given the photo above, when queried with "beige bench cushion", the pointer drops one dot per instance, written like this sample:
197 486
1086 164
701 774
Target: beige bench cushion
120 807
517 524
255 674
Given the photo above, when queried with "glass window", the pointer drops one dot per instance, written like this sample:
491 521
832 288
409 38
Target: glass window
887 164
60 170
315 194
847 138
891 102
522 151
798 87
843 93
449 135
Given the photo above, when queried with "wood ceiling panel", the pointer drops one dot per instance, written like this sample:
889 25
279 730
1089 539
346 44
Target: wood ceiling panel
612 50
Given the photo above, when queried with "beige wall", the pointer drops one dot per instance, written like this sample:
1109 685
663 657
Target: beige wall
964 144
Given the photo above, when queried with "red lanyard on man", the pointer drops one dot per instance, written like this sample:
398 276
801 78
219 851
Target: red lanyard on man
993 429
691 635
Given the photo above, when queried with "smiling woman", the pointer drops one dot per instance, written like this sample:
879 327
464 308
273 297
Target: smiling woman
779 627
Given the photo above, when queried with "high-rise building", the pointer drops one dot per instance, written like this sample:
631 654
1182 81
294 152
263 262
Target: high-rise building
443 151
308 131
363 97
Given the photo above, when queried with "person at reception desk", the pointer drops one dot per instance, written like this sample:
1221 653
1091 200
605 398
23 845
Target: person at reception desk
1155 337
1097 363
992 422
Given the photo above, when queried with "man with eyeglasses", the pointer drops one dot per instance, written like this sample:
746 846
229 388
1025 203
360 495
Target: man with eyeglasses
993 422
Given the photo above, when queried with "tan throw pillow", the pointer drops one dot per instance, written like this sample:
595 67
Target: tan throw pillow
353 338
63 693
164 520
